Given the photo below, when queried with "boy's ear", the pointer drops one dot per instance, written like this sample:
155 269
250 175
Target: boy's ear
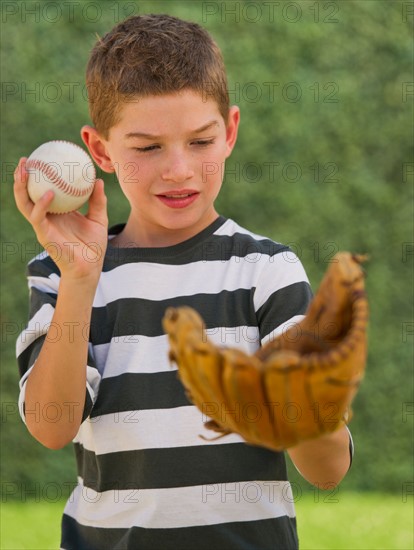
96 146
232 128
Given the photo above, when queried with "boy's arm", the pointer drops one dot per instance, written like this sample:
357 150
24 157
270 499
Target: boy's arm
324 461
57 381
58 376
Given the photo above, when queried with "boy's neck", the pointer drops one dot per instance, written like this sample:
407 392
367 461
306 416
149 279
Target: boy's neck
133 235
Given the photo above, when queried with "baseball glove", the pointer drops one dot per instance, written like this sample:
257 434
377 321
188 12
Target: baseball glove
298 386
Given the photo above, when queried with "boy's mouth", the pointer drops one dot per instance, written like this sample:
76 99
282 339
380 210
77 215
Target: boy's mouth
179 199
178 196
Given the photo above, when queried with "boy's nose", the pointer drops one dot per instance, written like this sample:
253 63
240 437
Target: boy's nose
177 169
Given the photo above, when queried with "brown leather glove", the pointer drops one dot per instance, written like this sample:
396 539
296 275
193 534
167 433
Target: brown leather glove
296 387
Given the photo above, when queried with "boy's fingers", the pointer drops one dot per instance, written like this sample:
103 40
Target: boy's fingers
97 203
20 174
34 213
23 202
39 209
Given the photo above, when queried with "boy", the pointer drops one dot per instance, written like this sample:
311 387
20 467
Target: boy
162 122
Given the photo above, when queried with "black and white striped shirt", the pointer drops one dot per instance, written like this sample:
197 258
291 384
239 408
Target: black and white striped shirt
145 477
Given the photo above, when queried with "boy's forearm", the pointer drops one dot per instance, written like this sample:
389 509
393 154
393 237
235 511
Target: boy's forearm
59 374
323 461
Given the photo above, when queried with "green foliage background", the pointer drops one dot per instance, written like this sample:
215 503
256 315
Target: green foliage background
324 162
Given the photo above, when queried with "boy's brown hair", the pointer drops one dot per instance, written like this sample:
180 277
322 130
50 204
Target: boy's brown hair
152 55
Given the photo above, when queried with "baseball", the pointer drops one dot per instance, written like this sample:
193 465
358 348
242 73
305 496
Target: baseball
65 168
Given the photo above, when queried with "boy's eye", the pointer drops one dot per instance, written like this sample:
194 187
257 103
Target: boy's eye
146 149
203 142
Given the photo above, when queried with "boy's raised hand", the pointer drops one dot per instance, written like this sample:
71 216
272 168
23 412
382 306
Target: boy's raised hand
75 242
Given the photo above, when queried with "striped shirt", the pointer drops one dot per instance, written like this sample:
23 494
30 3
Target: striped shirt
146 479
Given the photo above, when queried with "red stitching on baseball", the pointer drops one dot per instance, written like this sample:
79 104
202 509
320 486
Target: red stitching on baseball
54 177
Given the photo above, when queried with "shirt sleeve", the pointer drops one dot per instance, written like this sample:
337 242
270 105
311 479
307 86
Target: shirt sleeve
43 281
282 296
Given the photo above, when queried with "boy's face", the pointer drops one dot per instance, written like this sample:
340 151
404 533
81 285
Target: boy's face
168 153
